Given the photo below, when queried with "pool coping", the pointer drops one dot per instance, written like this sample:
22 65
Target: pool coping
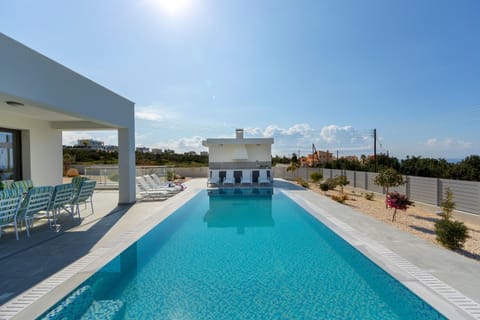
447 300
36 300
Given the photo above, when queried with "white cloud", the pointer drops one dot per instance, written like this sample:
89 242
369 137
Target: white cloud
342 135
184 144
153 113
448 143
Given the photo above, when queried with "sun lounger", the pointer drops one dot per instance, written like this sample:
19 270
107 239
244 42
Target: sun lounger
263 177
214 178
246 177
229 179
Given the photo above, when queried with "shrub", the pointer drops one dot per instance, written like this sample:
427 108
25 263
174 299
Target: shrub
399 201
340 197
447 204
316 176
114 177
72 172
451 234
332 183
369 196
389 178
170 175
303 183
324 187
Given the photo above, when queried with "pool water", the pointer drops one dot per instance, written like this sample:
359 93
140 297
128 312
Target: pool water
250 255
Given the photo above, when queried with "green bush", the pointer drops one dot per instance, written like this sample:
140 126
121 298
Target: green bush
447 204
451 234
113 177
324 187
170 175
303 183
369 196
332 183
316 176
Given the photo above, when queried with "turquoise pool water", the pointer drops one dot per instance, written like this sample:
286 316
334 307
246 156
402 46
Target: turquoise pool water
245 255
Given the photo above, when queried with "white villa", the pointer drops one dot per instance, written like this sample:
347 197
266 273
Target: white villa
239 160
39 99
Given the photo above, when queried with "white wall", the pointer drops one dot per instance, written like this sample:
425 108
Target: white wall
225 152
41 149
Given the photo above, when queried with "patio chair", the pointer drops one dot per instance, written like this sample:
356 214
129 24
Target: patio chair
214 178
82 195
229 179
263 177
61 199
246 177
77 181
22 185
8 212
34 205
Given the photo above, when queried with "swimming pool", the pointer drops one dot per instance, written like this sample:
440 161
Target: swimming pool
246 254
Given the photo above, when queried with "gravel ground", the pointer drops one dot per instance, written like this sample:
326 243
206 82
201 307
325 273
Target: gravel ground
418 219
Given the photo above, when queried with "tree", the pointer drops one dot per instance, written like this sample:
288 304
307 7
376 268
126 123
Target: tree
451 234
68 159
396 201
293 167
447 204
341 181
389 178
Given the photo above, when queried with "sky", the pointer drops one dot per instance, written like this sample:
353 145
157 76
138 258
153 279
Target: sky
303 72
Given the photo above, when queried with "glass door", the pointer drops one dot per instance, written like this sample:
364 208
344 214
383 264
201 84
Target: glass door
10 155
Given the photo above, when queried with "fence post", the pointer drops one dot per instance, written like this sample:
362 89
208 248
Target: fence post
366 180
438 192
407 186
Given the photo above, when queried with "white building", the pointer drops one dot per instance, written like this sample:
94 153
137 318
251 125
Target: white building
39 99
252 156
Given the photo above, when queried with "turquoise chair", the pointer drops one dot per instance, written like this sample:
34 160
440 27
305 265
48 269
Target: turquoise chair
22 185
82 195
35 204
61 198
8 211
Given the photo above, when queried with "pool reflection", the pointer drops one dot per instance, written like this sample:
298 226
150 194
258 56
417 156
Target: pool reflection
239 209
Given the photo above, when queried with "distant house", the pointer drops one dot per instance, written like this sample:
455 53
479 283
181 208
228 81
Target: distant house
156 151
240 155
39 99
142 149
90 144
316 158
204 153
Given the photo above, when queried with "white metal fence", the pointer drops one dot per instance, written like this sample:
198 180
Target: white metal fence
466 194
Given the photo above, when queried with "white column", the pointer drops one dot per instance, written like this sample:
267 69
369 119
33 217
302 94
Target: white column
126 165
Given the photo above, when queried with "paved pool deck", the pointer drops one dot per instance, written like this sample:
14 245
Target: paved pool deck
38 271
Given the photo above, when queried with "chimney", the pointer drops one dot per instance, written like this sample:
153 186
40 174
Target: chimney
239 133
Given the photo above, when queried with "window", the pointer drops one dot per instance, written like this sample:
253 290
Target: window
10 163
